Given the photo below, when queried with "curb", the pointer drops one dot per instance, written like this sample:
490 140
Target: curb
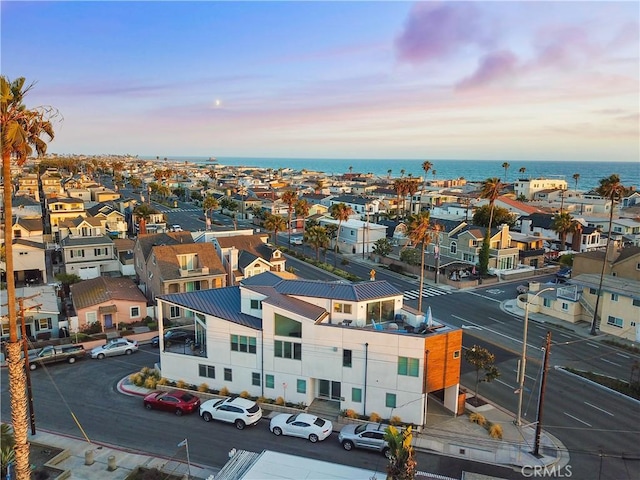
596 384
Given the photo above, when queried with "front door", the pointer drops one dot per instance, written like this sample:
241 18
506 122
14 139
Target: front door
108 321
329 389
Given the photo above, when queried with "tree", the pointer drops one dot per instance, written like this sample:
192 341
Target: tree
501 215
612 189
426 166
482 359
302 208
289 198
340 212
506 166
490 190
410 256
419 231
576 177
21 130
563 224
135 182
275 224
389 173
209 204
412 188
522 170
317 237
402 463
382 247
319 185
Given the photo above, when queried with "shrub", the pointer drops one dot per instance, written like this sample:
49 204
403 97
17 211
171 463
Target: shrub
152 325
395 420
181 384
261 399
224 391
137 379
495 431
244 394
203 388
478 418
374 417
301 405
151 383
163 381
280 401
147 319
350 413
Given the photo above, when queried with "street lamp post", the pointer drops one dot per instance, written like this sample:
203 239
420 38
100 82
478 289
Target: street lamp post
523 359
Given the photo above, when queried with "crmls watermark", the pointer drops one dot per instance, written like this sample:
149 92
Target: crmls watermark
539 471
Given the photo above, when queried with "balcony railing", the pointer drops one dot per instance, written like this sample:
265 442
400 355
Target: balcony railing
194 272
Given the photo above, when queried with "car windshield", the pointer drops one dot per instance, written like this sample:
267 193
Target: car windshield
219 402
360 428
253 409
292 418
186 397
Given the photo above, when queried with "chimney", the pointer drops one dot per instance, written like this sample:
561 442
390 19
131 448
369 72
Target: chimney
143 226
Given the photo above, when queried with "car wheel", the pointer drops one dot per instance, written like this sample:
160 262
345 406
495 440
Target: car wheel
129 352
239 424
178 412
386 452
206 416
277 431
313 438
72 359
100 356
347 445
32 366
148 406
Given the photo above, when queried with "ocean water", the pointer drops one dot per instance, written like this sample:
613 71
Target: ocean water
472 170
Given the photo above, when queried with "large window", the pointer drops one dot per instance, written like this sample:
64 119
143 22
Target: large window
409 366
255 379
240 343
380 311
301 386
208 371
228 375
269 381
288 350
615 321
356 395
287 327
342 308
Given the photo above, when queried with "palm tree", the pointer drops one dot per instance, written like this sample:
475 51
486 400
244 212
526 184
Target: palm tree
522 170
350 169
491 188
341 212
612 189
289 198
21 130
426 166
402 463
209 203
419 232
319 185
563 224
389 174
412 188
576 177
318 238
506 166
302 208
275 224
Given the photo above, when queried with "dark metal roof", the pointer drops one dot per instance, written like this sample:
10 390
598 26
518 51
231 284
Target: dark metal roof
222 303
86 241
290 304
262 279
338 290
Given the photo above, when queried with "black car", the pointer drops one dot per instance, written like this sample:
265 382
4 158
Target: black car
179 336
155 341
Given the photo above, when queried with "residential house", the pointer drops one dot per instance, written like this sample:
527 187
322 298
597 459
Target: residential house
585 238
527 188
29 264
51 181
25 206
623 263
531 251
109 301
115 221
63 208
363 207
86 250
28 185
41 312
142 252
353 345
356 236
244 256
123 249
185 267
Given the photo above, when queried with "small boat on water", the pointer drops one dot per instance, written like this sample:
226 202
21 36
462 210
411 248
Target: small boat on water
212 160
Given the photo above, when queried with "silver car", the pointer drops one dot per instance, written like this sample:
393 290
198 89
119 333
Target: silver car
368 435
119 346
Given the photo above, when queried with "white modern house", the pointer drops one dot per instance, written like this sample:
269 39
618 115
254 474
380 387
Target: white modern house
356 236
352 344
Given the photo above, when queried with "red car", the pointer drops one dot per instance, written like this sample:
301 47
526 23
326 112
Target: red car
175 401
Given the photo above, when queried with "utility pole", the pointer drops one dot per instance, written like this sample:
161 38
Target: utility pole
543 383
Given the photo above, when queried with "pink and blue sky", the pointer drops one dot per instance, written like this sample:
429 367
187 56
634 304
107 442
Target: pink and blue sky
496 80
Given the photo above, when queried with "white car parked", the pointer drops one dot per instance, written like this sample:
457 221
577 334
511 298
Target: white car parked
118 346
239 411
301 425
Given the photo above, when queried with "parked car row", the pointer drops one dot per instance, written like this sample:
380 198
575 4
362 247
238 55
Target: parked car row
242 413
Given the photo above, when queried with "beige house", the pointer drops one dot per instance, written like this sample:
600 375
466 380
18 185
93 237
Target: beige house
244 256
63 208
107 300
51 182
28 185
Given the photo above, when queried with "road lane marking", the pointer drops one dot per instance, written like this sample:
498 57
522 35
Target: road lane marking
623 355
484 296
496 320
598 408
612 363
535 347
527 376
592 345
575 418
506 384
564 335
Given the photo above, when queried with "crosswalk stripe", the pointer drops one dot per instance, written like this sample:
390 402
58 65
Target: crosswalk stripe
426 292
